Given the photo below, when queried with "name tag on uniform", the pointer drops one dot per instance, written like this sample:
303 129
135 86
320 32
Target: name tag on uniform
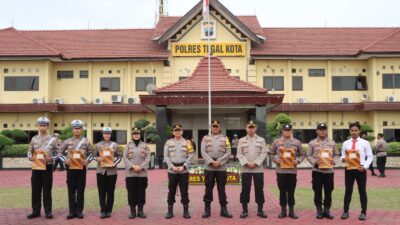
77 156
352 155
39 156
287 155
325 154
106 153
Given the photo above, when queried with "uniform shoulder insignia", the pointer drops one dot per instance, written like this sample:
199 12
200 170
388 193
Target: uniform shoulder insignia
227 143
190 146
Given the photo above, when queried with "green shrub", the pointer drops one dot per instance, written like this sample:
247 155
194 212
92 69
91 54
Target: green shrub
5 141
15 150
393 148
6 133
19 136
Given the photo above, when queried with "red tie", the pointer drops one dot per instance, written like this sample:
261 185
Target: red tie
353 147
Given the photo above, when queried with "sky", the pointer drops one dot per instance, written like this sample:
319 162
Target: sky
100 14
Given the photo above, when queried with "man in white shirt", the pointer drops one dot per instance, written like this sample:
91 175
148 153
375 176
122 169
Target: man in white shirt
358 149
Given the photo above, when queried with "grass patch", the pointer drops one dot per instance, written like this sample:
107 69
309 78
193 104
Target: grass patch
378 198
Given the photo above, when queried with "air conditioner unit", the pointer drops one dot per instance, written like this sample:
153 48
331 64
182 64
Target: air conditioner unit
346 100
98 101
59 101
301 100
38 100
391 98
116 98
82 100
131 100
364 97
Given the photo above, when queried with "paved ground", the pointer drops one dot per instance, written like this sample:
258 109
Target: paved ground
156 205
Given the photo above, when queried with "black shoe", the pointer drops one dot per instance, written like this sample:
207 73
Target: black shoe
319 214
33 215
186 213
224 212
283 213
245 212
103 215
133 212
207 210
140 212
260 212
70 216
328 214
292 214
49 215
170 212
362 216
345 215
373 174
79 215
381 175
108 214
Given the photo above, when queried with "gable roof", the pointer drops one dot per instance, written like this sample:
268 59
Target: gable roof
220 81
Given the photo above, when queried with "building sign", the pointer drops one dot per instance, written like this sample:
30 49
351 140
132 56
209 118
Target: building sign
208 29
201 49
196 175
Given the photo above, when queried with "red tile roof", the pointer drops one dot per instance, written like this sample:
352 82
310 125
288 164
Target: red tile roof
220 81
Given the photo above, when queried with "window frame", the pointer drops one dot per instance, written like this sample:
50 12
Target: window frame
36 83
110 83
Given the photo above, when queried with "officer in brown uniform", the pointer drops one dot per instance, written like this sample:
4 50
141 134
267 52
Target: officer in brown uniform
42 150
381 154
321 154
287 152
137 159
215 150
178 153
78 154
251 153
107 156
58 160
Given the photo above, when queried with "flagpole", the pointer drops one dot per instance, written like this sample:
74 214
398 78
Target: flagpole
209 71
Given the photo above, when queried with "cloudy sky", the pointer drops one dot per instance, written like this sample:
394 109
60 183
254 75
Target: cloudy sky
98 14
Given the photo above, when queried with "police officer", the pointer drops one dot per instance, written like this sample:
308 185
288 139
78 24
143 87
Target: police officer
251 153
76 169
381 154
215 150
106 174
178 153
58 160
137 159
322 176
42 146
287 177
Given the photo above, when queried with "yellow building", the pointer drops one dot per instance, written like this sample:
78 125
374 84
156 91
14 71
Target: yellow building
104 77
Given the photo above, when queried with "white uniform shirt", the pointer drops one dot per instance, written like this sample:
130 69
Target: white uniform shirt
364 147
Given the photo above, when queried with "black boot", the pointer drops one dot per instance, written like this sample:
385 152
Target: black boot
133 212
224 212
319 214
70 215
103 215
327 213
186 213
283 213
33 215
245 212
292 214
140 212
170 212
207 210
49 215
260 212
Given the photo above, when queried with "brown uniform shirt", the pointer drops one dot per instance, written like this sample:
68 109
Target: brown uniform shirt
218 148
381 148
178 151
71 143
287 143
42 142
252 149
117 157
136 155
313 151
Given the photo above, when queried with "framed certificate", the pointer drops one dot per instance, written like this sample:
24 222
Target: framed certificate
353 159
325 156
287 157
76 159
107 154
39 159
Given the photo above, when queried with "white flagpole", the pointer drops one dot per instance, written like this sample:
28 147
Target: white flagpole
209 70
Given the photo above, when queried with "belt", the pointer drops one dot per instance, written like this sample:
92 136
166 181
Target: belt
215 159
177 164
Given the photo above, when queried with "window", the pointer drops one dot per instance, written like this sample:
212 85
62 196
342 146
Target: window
390 81
341 135
273 83
25 83
297 83
118 136
66 74
142 82
316 72
305 136
183 78
83 74
349 83
109 84
391 135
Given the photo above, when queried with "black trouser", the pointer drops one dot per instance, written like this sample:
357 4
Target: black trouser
287 187
136 187
325 181
211 178
361 177
76 183
42 180
381 164
234 152
106 187
258 187
173 181
371 167
58 161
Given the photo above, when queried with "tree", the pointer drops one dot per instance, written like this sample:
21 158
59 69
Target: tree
149 132
275 127
365 128
67 133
